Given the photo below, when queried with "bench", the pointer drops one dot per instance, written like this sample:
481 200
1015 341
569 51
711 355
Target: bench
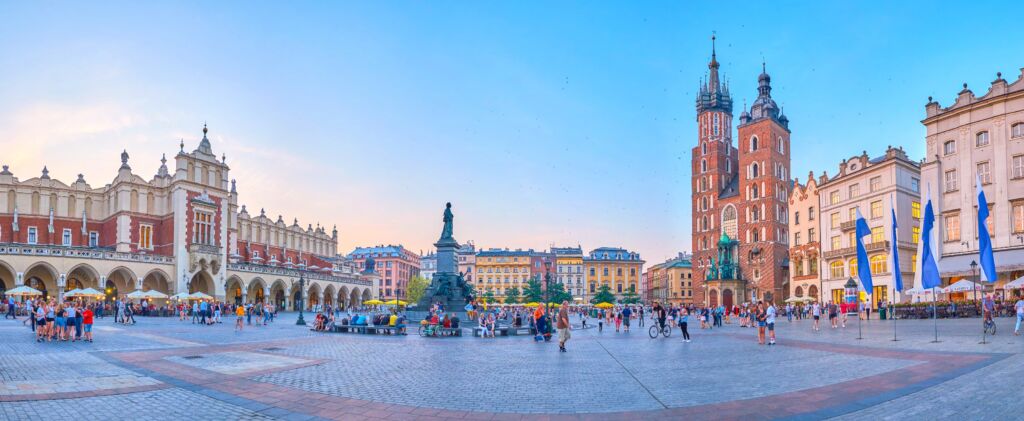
350 328
498 331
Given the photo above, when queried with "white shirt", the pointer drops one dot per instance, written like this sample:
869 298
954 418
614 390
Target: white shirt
771 315
1020 307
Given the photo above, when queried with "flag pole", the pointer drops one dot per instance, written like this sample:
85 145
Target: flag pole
893 315
934 316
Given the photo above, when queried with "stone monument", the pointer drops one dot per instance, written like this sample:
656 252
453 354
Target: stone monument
448 287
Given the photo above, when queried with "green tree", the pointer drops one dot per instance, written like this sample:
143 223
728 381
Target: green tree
557 293
604 295
512 295
417 286
630 297
488 296
533 293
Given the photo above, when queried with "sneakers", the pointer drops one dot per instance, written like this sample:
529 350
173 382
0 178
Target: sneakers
561 349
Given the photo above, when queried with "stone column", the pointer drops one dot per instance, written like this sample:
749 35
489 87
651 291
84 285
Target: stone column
61 283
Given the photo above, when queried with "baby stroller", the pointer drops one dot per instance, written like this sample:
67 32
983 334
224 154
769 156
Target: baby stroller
543 333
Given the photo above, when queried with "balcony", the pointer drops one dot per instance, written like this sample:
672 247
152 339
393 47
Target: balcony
850 251
848 226
82 253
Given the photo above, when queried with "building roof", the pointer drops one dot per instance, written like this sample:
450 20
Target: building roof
504 252
567 250
377 251
613 253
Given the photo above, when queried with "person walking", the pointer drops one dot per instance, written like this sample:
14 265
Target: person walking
563 326
1019 306
239 314
816 313
626 314
760 317
87 318
640 320
684 318
770 322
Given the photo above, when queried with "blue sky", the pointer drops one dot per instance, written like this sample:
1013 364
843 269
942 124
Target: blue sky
567 123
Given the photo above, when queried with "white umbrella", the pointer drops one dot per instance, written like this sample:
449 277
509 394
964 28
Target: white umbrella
154 294
199 296
24 290
793 299
963 285
137 294
180 296
89 292
1016 284
73 293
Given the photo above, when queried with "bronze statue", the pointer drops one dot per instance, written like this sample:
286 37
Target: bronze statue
446 232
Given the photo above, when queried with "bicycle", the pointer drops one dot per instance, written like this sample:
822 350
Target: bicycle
989 326
656 329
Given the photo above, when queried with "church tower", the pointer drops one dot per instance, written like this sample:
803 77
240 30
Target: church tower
764 162
713 166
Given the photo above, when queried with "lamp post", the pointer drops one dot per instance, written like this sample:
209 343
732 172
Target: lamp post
974 271
547 287
302 288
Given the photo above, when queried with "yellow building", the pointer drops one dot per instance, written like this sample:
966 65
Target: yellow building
671 281
618 268
569 271
498 270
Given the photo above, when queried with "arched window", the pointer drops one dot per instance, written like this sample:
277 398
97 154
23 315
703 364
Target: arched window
703 165
799 292
704 148
755 171
782 146
728 165
836 269
754 192
753 143
716 124
879 264
853 266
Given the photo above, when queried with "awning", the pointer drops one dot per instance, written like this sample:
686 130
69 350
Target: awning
1006 261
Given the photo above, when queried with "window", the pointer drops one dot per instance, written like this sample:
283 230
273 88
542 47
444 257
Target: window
875 183
854 190
202 228
877 234
754 171
1018 217
605 271
796 217
796 239
984 172
915 234
1017 130
1018 166
703 165
618 272
852 214
33 235
704 148
953 227
949 147
853 266
835 220
913 262
915 210
810 235
836 242
879 264
753 143
94 239
810 213
837 269
833 198
981 139
716 124
950 180
989 223
66 237
876 209
782 146
915 185
146 238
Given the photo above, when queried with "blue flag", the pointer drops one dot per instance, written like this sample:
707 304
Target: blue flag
988 262
930 277
863 265
897 275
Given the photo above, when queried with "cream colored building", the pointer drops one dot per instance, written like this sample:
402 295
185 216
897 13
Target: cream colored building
804 240
979 136
182 230
874 186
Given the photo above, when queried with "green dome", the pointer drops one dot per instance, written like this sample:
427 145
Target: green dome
725 238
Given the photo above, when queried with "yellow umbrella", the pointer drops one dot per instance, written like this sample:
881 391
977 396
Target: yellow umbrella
605 305
555 304
396 303
531 304
373 302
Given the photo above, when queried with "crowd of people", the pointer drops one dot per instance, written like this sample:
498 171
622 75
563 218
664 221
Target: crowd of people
52 320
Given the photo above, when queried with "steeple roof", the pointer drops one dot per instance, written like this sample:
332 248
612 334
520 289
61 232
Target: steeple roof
712 94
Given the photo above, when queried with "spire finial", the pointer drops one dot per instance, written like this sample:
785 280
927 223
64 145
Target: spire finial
204 128
163 158
181 146
713 43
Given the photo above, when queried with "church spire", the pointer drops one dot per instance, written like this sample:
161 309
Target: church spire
713 85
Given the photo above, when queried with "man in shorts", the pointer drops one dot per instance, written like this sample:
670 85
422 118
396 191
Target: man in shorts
562 324
770 319
87 317
626 313
816 312
239 314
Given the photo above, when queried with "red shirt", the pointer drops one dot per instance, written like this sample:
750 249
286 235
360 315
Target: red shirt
87 316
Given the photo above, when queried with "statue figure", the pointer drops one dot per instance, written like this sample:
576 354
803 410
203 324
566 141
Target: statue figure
446 232
713 270
444 290
370 264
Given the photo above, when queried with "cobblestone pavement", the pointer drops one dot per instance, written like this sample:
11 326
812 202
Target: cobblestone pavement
166 369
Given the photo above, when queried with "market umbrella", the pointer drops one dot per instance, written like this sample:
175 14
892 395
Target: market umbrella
199 296
89 292
373 302
531 304
963 285
1016 284
73 293
605 305
136 295
180 296
23 291
794 299
396 303
154 294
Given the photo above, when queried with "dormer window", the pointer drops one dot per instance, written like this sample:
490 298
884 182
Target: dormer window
981 139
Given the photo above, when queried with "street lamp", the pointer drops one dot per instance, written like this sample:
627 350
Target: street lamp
302 289
547 287
974 269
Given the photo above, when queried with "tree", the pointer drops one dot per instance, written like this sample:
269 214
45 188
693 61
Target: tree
557 293
512 295
415 289
604 295
533 293
488 296
630 297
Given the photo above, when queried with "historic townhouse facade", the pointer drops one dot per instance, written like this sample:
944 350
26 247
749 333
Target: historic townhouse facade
740 194
569 270
804 240
395 264
498 270
875 186
618 268
672 281
180 231
977 137
466 256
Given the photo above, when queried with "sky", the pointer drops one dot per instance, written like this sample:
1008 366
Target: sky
566 123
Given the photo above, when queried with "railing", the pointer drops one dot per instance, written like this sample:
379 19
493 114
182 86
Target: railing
849 251
245 267
82 253
848 225
204 248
